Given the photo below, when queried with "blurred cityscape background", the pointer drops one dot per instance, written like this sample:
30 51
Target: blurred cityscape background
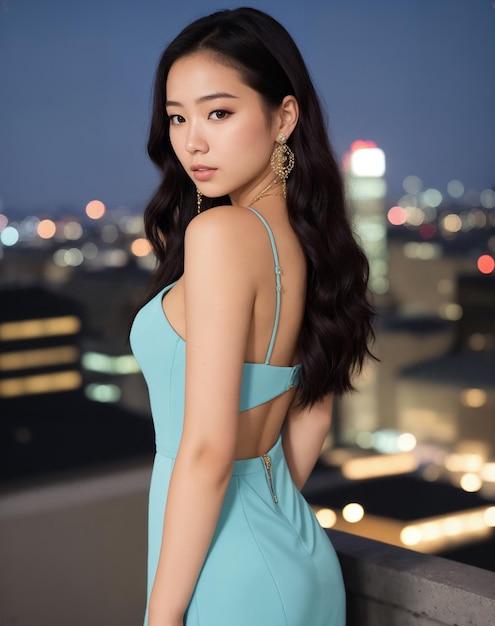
410 92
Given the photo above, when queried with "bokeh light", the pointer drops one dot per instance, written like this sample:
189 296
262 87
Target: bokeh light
471 482
406 442
450 311
474 398
486 264
451 223
9 236
490 516
477 342
326 518
47 229
353 512
109 233
432 197
412 184
397 216
72 231
410 535
455 188
415 216
140 247
487 198
95 209
89 250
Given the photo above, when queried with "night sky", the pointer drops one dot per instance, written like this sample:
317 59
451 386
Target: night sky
415 76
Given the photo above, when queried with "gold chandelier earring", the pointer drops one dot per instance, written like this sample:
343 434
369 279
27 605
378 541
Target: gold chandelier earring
282 161
199 200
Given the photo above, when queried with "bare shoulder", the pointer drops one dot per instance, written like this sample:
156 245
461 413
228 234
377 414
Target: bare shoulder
220 221
228 227
220 239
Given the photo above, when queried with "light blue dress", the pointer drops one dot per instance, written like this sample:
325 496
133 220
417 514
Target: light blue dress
269 562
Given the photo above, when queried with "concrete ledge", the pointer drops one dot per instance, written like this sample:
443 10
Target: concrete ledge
389 586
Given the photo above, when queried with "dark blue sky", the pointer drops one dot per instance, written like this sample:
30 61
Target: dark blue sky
416 76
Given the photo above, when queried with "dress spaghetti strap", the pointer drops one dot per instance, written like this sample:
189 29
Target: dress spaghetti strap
278 287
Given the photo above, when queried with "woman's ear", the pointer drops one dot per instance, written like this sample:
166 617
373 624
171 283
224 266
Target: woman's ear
288 114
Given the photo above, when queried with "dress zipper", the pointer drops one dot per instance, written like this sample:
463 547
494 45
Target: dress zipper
268 465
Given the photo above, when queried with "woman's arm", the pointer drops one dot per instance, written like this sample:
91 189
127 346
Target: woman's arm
219 297
303 435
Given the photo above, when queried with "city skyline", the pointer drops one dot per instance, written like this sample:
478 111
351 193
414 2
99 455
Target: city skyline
416 78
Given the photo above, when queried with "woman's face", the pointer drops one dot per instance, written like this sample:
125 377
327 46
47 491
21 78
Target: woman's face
219 128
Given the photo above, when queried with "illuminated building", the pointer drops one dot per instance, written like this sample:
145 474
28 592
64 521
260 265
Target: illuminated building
47 422
39 344
451 398
364 168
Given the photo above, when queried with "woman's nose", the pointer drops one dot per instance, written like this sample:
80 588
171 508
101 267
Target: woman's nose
195 140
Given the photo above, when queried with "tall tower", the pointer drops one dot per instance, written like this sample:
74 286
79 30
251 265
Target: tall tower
364 168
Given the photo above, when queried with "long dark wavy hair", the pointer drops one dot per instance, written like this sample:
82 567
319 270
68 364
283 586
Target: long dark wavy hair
337 325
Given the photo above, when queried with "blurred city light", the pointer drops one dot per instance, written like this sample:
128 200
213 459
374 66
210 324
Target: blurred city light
397 216
487 198
477 342
95 209
47 327
412 184
103 393
106 364
451 223
326 517
422 250
109 233
406 442
27 359
432 197
415 216
490 516
488 472
474 398
367 160
89 250
73 231
455 189
486 264
353 512
379 465
438 533
115 258
471 482
47 229
140 247
132 224
450 311
41 383
9 236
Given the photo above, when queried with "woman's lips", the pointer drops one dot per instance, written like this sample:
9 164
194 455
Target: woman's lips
203 173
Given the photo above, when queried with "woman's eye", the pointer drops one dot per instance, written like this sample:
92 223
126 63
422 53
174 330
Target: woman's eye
176 119
220 114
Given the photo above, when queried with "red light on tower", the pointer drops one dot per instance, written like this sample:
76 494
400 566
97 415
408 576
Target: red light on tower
359 144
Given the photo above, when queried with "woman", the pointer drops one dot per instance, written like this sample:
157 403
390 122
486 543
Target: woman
254 318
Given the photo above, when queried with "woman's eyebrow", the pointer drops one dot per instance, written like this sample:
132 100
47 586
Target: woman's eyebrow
208 97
